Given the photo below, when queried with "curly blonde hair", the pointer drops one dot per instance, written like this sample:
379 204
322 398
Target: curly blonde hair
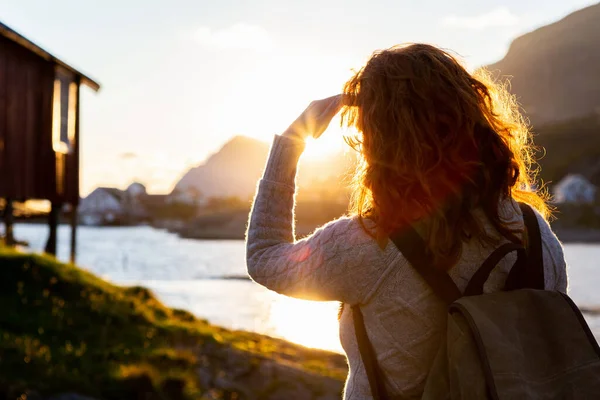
435 143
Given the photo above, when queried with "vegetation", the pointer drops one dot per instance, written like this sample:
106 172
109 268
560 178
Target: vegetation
171 210
572 216
63 329
569 147
220 204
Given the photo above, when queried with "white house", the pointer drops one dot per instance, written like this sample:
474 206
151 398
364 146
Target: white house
574 188
110 205
103 205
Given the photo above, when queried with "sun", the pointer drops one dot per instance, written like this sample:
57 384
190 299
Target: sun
330 143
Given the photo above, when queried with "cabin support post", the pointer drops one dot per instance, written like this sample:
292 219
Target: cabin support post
8 223
53 227
73 233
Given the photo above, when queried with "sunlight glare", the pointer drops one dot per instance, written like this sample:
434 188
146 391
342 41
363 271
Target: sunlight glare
309 323
330 142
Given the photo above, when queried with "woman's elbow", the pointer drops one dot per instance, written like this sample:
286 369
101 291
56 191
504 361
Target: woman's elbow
253 261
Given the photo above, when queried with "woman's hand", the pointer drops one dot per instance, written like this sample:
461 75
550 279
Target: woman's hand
315 119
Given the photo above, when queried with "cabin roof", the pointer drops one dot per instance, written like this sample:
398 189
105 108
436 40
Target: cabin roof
29 45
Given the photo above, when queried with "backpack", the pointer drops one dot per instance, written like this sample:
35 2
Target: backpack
520 343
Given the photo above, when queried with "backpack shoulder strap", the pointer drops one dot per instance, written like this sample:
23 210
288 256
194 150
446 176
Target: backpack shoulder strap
475 286
535 256
529 274
367 354
413 248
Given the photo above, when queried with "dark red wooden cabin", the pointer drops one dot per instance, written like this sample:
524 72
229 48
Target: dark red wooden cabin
39 130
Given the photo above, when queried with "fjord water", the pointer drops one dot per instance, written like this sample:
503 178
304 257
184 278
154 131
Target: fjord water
208 279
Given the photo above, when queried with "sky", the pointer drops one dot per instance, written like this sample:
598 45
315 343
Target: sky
181 77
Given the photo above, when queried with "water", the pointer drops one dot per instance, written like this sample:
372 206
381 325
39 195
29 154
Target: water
189 274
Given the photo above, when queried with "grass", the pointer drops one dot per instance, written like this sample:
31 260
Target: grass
63 329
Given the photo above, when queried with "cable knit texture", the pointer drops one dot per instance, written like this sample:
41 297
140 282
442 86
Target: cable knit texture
339 261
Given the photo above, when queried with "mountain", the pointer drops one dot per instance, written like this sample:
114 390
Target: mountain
232 171
555 70
236 168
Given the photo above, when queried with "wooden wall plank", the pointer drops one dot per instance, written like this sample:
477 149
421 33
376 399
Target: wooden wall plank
45 163
3 56
27 162
72 173
15 115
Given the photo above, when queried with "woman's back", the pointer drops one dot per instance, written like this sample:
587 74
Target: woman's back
405 321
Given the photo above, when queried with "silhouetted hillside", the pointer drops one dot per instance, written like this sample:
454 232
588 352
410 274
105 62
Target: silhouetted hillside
235 169
232 171
555 70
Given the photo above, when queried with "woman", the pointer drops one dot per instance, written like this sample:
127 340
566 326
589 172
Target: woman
443 151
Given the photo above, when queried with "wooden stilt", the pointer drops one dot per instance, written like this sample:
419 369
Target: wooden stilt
53 227
8 223
73 233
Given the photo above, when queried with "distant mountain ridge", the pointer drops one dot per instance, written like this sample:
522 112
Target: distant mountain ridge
232 171
236 168
555 70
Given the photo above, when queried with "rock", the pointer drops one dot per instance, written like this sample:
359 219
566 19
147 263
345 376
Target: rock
256 377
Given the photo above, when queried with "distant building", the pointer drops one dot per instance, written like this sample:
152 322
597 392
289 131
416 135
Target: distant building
576 189
136 189
112 206
106 206
102 206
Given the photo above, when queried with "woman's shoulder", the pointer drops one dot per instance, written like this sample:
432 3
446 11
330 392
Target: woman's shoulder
348 227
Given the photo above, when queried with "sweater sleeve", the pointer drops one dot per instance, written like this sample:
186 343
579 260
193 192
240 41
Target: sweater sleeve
337 262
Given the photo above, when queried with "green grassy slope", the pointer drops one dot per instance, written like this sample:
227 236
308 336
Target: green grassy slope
63 329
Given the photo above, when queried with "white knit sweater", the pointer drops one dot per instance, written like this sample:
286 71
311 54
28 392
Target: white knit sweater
341 262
